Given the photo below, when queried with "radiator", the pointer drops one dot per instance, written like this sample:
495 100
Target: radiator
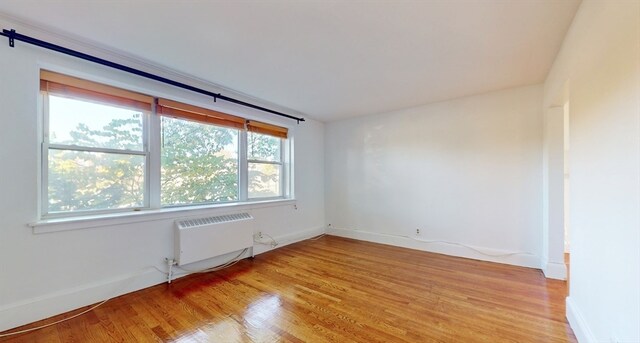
198 239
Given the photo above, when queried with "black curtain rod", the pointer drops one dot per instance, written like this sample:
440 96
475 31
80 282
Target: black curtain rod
13 36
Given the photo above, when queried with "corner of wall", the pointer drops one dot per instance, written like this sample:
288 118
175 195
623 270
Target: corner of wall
578 323
554 270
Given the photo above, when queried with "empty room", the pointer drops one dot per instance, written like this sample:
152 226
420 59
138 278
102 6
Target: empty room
320 171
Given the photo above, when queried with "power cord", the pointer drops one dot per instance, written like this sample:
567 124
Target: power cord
273 243
120 290
469 247
216 268
316 237
454 243
207 270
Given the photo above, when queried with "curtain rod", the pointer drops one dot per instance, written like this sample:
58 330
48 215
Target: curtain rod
13 36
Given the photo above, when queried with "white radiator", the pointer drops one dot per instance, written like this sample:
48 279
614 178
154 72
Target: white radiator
198 239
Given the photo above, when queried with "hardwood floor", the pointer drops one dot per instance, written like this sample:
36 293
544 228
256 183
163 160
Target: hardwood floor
333 290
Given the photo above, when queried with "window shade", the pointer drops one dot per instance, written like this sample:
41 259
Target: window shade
176 109
69 86
267 129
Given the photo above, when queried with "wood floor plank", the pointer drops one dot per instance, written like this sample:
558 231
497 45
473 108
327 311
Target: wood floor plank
332 290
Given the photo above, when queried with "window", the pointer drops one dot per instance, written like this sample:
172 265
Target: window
94 151
265 165
104 149
199 163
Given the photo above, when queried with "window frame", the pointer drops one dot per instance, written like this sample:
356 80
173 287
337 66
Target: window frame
281 163
151 145
239 200
46 146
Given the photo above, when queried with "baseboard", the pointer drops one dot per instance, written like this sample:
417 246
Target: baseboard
554 270
289 238
530 261
31 310
578 323
34 309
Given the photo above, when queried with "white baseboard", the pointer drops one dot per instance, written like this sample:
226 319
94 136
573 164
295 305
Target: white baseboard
530 261
578 324
34 309
554 270
289 238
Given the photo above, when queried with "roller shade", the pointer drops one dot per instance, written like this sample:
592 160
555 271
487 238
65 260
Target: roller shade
72 87
267 129
180 110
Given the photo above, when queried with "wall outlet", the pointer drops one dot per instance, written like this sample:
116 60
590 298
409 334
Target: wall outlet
417 232
258 235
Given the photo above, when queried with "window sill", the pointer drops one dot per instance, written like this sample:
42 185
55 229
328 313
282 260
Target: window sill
123 218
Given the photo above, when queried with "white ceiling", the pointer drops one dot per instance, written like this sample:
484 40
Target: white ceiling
327 59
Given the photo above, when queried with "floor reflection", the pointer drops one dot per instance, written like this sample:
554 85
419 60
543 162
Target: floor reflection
227 330
254 326
260 316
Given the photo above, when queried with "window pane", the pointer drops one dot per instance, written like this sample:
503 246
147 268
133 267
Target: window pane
94 181
89 124
199 163
264 180
263 147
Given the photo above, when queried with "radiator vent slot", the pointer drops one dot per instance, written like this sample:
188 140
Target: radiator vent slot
227 218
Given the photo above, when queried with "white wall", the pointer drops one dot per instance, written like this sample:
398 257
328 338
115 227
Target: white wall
46 274
467 171
553 194
598 73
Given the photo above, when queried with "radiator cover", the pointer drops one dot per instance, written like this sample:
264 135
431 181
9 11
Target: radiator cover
201 238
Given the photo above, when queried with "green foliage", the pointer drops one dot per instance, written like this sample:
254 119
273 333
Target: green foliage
263 147
80 180
264 179
199 163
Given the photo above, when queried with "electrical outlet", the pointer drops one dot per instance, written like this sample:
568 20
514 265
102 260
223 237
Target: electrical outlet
417 232
258 235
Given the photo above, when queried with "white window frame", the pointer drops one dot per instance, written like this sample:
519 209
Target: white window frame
151 135
46 146
281 163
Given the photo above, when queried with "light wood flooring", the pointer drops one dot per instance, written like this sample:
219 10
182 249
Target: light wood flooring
333 290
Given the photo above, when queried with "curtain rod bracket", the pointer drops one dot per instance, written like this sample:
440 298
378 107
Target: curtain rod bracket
11 39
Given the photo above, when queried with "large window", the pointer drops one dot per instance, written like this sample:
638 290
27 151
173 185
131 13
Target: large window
105 149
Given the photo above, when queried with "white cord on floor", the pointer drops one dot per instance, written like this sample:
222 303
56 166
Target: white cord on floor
54 323
273 243
470 247
454 243
317 237
216 268
77 314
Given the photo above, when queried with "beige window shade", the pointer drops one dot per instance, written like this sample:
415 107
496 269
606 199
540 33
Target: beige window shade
69 86
267 129
176 109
